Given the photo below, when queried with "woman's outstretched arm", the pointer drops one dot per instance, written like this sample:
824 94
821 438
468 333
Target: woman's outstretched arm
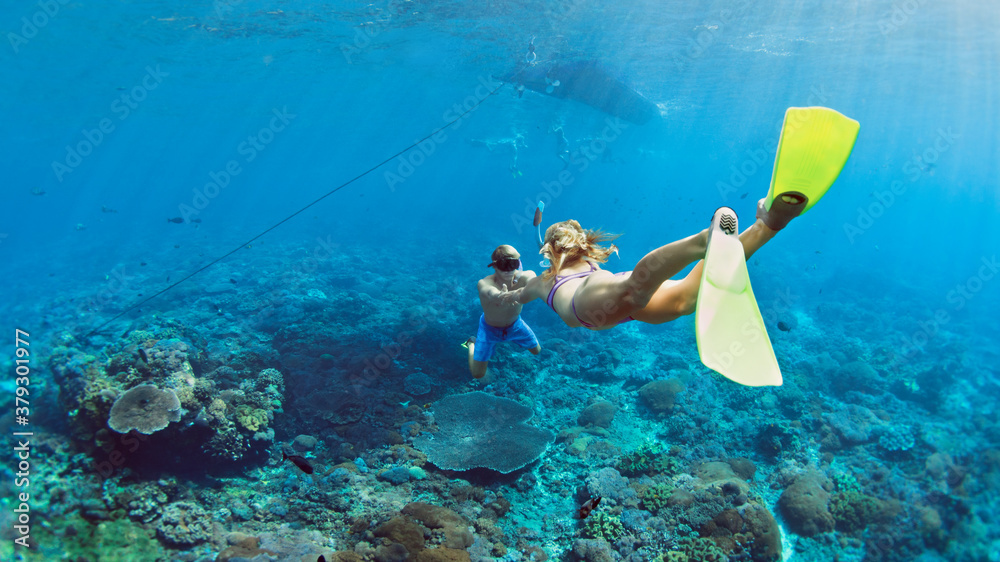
532 290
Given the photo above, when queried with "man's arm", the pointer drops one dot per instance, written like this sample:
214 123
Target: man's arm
487 291
526 294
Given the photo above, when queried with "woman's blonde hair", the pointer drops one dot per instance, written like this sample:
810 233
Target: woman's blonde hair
567 242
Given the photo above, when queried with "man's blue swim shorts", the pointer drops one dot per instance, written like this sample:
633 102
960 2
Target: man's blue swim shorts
489 336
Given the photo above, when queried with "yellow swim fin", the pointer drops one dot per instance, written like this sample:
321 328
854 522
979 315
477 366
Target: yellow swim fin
732 339
814 145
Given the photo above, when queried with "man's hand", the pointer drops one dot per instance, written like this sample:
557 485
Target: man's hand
508 298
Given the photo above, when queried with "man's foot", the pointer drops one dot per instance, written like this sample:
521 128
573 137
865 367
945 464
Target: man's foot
784 208
472 339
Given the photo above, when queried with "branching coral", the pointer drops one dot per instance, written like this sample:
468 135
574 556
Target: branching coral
649 459
896 439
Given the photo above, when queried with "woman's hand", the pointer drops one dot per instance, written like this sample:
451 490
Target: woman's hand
509 298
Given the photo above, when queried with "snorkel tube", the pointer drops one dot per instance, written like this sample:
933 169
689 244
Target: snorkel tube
538 224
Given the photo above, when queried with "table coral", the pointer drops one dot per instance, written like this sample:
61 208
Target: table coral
145 409
480 430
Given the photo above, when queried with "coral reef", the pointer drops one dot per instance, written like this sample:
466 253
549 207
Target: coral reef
603 526
864 452
650 459
479 430
804 505
145 409
660 396
184 524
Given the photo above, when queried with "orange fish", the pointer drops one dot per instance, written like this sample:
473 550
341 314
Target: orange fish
588 506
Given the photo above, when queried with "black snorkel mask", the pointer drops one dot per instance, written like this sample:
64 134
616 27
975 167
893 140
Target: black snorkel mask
506 264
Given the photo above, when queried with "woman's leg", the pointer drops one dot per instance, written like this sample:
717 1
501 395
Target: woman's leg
674 299
604 299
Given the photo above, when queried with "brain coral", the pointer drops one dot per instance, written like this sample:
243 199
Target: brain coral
805 505
184 523
145 409
480 430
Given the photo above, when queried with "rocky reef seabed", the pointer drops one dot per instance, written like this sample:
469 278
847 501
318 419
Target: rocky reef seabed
325 413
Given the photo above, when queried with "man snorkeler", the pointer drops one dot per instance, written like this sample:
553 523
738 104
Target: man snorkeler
500 322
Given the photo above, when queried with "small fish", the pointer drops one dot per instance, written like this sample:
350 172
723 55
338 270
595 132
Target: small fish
142 353
233 281
142 264
744 196
37 191
784 327
107 209
298 461
196 220
588 506
176 220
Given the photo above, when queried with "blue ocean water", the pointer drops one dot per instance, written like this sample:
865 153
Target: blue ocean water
233 115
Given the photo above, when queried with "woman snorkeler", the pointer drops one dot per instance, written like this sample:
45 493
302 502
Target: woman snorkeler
583 294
